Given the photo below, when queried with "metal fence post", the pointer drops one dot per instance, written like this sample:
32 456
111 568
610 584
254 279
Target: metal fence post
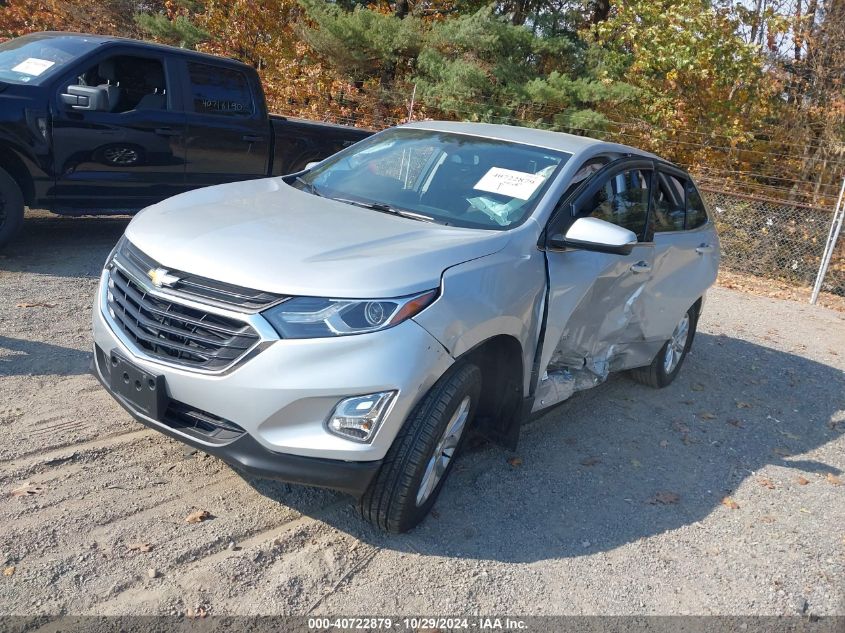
832 236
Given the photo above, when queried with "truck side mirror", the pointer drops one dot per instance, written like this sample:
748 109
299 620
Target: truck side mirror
91 98
593 234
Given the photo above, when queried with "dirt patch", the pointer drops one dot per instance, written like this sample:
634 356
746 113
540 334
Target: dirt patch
613 504
777 289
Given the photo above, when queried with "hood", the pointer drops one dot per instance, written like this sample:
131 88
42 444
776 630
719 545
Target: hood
267 235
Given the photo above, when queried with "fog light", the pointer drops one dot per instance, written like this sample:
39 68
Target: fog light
358 418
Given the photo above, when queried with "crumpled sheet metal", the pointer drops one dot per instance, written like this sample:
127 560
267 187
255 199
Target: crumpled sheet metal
558 385
584 356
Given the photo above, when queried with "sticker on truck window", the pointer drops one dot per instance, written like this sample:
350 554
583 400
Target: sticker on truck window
33 66
516 184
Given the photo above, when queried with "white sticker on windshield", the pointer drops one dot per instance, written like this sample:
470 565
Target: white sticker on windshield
516 184
33 66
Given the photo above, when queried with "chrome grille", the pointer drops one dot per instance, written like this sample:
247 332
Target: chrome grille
173 332
200 288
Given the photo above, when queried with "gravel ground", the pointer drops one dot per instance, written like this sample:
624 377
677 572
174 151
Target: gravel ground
718 495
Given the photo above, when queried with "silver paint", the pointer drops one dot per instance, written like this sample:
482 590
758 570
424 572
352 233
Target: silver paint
606 312
595 231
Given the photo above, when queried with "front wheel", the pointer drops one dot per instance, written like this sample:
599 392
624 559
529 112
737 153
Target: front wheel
423 454
671 356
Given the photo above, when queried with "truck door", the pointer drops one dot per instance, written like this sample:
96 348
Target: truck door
129 152
598 303
228 129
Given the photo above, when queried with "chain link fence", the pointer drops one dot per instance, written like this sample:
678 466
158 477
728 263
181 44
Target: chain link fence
776 240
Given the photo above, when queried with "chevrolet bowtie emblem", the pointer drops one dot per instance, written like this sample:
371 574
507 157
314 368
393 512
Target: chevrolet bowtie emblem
161 277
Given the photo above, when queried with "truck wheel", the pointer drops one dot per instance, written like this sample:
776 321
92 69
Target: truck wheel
423 453
669 359
11 208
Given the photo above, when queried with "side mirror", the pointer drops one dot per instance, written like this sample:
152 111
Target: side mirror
91 98
312 164
592 234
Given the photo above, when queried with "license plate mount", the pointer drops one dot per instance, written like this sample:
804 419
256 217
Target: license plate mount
143 391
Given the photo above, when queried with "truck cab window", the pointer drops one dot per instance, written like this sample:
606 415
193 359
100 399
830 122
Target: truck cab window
220 91
132 83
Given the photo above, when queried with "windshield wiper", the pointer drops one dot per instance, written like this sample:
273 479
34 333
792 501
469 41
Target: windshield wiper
310 186
386 208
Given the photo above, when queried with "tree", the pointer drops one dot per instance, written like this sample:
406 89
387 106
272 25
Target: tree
480 65
109 17
693 71
364 43
175 25
812 117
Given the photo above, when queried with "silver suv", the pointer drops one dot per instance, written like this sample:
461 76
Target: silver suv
346 326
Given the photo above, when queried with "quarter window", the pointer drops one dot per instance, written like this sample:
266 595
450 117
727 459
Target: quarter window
667 214
622 200
584 173
220 91
696 213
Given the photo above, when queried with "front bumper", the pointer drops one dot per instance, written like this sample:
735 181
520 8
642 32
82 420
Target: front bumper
247 455
282 396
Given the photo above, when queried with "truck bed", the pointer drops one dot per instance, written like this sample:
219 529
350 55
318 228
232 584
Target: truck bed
300 141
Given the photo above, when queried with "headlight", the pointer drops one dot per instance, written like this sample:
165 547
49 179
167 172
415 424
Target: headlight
311 317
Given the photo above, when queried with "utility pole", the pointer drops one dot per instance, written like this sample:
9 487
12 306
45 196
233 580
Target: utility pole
832 236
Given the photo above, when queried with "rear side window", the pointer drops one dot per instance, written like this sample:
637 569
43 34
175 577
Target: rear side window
667 214
622 200
696 213
221 91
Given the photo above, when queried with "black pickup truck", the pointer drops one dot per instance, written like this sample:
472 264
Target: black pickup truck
102 125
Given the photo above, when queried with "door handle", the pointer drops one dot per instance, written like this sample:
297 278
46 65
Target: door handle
640 267
166 131
701 249
250 138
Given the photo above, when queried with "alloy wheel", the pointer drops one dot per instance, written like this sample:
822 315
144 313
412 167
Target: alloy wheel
444 452
677 345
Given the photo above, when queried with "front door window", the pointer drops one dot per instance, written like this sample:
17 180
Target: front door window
622 200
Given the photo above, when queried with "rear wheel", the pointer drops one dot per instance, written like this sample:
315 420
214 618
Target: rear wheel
11 208
423 454
669 359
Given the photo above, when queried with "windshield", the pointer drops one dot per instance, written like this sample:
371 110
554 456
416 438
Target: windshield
448 178
34 58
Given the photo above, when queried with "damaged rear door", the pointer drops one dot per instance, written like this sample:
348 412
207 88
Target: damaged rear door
598 303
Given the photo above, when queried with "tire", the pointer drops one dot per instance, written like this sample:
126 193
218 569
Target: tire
396 500
11 208
662 372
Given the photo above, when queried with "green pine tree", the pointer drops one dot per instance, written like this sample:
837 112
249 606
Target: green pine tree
180 31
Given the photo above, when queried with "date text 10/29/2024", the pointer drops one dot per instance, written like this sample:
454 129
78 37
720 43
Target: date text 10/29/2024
416 623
